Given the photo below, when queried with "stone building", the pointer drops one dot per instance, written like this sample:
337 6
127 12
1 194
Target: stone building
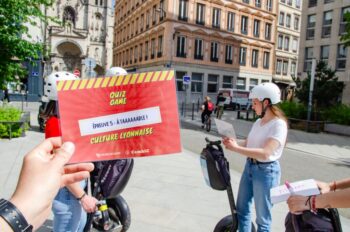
217 43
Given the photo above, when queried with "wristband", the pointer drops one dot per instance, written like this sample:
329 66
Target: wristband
79 198
14 217
313 204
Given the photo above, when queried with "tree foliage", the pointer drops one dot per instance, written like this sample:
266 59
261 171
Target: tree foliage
327 88
15 16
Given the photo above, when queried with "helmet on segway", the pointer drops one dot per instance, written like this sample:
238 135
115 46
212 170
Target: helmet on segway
50 86
115 71
266 90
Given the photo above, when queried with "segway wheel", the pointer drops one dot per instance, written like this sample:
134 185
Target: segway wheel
227 224
119 212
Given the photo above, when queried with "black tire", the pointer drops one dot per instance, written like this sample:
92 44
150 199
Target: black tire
208 124
228 225
119 211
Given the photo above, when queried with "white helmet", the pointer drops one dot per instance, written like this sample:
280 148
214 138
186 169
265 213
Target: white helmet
115 71
266 90
50 88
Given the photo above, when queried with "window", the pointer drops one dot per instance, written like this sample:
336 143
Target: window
309 54
228 56
245 1
179 80
162 11
266 61
253 83
212 83
255 58
230 21
293 68
258 3
241 83
160 46
183 10
280 42
141 22
341 57
312 3
285 67
69 16
181 45
295 44
324 53
286 43
288 19
242 55
227 82
281 19
290 2
214 52
198 49
279 67
244 25
327 24
140 52
136 50
296 22
146 50
328 1
311 23
256 32
297 4
216 18
153 48
268 31
269 4
200 14
342 27
154 14
197 82
148 15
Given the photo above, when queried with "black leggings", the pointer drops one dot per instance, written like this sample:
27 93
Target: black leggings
205 113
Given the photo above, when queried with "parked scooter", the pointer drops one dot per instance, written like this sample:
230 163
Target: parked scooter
216 171
107 182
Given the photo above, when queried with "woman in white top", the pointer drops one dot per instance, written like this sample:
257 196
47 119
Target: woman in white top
263 147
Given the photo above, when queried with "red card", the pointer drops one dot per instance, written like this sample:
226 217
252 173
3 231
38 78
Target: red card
120 117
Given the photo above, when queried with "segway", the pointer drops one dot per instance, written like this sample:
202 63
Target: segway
216 171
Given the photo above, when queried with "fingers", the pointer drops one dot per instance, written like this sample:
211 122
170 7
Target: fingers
63 155
68 179
78 167
49 144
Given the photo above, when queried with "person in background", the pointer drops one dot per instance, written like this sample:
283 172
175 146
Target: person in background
42 174
71 203
263 147
220 101
207 109
333 195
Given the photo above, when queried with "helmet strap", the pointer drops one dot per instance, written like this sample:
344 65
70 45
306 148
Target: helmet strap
263 111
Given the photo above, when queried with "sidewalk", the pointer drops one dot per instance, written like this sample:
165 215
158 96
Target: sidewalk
329 146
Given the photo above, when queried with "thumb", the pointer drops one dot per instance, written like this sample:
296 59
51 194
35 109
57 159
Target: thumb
63 155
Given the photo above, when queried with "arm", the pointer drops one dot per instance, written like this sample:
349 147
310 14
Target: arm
4 226
256 153
334 185
87 202
338 199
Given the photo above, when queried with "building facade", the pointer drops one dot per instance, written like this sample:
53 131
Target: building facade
217 43
82 29
322 26
287 46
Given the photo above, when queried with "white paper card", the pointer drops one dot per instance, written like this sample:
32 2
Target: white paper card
303 188
225 129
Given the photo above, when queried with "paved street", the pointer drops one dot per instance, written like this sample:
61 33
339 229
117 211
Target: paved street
166 193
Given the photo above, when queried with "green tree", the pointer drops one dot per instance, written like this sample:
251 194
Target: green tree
327 88
15 16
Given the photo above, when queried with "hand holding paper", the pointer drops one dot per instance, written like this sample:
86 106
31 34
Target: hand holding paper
303 188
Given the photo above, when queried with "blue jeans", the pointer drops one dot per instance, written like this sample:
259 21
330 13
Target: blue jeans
69 216
256 182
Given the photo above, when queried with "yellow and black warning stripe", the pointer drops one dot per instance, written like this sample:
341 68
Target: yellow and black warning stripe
129 79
